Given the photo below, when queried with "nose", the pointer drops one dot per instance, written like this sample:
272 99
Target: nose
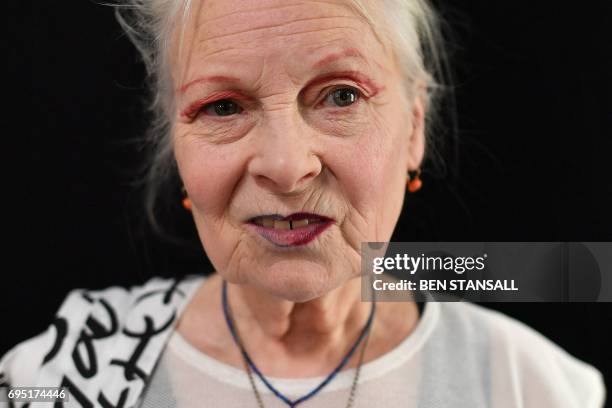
284 161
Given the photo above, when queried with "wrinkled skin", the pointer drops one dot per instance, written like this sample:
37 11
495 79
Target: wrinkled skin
290 149
287 146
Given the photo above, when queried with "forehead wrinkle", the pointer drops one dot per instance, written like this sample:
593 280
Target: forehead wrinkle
284 24
199 16
218 44
246 46
302 8
346 52
261 79
317 30
253 10
221 50
341 46
274 12
204 45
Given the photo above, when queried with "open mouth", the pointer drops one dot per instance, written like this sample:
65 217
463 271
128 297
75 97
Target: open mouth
292 230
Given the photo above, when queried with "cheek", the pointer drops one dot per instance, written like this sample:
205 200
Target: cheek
371 172
209 173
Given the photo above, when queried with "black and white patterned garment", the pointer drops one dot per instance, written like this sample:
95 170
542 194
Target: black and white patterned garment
102 344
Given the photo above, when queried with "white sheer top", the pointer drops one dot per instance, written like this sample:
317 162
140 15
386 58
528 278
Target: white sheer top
459 355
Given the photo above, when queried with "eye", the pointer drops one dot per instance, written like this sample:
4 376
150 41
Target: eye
222 107
342 97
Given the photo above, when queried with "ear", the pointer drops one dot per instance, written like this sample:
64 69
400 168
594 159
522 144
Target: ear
416 143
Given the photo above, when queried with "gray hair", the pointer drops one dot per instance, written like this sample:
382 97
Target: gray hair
412 26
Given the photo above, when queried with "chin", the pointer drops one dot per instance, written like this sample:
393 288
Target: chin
299 281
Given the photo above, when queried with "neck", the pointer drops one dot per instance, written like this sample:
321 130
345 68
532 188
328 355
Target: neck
289 339
330 322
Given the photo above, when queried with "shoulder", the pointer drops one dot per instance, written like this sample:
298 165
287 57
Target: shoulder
525 361
95 329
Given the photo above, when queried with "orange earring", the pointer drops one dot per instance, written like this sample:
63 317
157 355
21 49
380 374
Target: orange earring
186 201
414 181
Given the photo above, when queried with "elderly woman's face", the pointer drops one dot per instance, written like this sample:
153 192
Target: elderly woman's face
293 139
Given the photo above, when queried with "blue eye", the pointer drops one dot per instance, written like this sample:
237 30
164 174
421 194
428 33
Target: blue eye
343 96
222 107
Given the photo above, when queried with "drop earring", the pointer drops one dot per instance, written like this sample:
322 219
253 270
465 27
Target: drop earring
186 201
414 183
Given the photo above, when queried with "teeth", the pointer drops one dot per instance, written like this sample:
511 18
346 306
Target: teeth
299 223
285 225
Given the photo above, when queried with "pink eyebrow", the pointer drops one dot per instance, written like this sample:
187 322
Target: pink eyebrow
349 52
209 78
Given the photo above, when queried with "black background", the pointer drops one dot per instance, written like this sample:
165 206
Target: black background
533 83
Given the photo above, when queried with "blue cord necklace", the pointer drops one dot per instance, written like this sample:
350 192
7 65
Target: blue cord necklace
251 367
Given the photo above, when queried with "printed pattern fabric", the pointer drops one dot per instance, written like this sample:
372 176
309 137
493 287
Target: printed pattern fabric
102 345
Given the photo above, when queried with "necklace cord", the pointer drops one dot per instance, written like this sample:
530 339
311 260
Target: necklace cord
250 365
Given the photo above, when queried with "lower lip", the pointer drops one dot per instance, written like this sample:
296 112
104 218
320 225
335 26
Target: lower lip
291 237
